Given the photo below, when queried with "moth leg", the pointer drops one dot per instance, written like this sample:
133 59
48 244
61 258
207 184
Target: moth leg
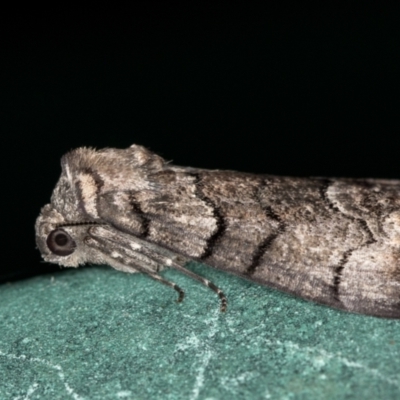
156 254
139 263
199 278
159 278
177 263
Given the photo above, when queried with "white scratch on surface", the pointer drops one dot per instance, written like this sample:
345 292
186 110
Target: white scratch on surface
323 355
231 384
206 354
124 393
319 358
206 357
30 390
55 367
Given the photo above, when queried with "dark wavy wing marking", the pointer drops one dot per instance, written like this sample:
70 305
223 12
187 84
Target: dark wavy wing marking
367 277
269 239
338 269
218 215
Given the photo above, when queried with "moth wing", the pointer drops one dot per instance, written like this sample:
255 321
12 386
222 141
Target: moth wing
340 244
288 233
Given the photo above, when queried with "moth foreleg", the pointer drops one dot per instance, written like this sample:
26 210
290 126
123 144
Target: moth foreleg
168 283
156 254
135 264
202 280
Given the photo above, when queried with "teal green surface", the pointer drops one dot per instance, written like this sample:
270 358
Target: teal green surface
96 333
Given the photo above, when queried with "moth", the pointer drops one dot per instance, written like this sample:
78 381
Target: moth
332 241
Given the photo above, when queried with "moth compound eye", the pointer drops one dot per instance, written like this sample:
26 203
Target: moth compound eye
60 243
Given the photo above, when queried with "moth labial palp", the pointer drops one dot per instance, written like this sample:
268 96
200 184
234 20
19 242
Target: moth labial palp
335 241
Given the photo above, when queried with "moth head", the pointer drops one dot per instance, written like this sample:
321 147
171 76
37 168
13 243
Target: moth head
87 177
61 242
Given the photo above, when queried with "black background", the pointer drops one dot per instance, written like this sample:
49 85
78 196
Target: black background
228 85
